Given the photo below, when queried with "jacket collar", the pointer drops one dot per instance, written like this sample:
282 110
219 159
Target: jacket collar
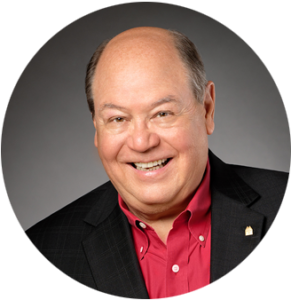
104 206
226 181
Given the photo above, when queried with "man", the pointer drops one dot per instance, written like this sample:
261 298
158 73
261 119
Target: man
173 217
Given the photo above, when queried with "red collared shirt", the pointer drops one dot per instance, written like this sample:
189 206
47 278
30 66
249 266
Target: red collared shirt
183 264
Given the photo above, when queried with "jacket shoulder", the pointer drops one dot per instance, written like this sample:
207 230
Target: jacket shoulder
263 180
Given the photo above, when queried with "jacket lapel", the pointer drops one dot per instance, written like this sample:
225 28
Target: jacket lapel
230 215
110 251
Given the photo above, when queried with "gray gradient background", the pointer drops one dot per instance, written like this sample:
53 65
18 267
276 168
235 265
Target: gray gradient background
48 155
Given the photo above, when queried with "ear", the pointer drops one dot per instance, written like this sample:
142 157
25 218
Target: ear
209 106
95 136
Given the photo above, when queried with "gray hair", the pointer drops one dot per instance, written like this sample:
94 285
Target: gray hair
193 63
187 52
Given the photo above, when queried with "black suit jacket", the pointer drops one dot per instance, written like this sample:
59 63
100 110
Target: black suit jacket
91 241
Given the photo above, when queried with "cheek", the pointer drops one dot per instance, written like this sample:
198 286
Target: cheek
190 142
108 147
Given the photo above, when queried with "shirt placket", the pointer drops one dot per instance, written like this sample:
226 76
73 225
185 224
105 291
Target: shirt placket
177 260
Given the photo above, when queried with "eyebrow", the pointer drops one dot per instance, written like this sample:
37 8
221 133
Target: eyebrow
111 105
167 99
164 100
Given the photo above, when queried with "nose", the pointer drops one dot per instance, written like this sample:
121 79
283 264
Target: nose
142 139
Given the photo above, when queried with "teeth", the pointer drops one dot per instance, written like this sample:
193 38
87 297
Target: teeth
150 166
149 169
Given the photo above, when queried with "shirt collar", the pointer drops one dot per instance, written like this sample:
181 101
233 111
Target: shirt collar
132 219
199 208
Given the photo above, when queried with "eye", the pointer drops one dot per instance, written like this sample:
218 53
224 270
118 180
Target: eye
163 114
118 120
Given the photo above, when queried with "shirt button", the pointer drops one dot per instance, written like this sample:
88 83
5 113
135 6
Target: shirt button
175 268
201 238
142 225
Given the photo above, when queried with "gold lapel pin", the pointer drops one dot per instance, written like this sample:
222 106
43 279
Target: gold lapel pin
249 231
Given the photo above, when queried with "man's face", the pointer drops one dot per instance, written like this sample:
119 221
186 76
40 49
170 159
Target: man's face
151 133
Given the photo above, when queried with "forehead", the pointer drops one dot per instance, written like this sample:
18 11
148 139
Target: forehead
138 65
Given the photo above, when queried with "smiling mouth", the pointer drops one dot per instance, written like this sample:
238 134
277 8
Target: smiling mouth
151 166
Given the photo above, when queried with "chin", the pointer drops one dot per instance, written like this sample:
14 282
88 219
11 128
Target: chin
153 198
160 203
